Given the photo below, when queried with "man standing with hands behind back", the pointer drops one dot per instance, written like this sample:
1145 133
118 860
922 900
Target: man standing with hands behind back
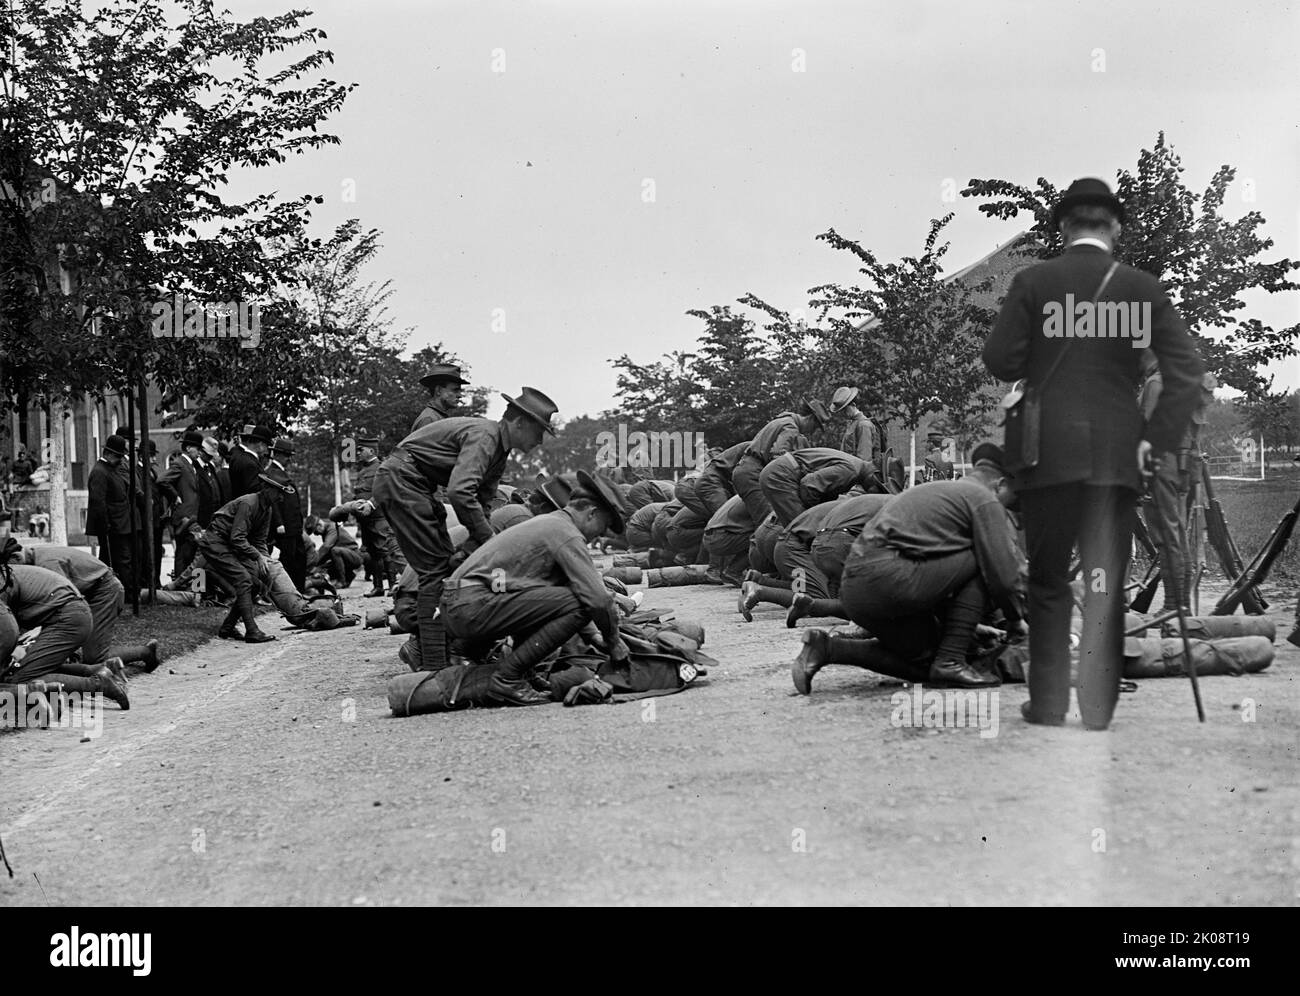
1094 450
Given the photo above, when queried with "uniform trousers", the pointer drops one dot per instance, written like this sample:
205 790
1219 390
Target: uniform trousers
63 633
916 608
745 479
713 491
781 484
106 601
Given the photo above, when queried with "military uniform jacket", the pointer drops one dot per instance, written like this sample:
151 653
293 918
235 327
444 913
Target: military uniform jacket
37 594
825 472
335 536
860 440
243 466
732 517
84 571
431 413
781 435
1091 425
363 481
243 526
108 505
468 457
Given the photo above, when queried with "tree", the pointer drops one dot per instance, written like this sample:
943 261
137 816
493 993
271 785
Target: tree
910 338
1204 261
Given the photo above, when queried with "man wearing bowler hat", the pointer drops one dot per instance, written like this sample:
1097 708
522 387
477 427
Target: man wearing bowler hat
108 510
466 456
247 458
288 509
536 584
184 483
444 383
1093 450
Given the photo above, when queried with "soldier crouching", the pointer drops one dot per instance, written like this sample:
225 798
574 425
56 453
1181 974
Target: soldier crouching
536 584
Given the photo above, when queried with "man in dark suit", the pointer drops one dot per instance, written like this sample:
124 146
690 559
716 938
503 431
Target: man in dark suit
108 511
212 492
288 529
247 459
1094 449
185 482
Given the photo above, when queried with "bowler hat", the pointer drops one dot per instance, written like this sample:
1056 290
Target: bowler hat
115 444
842 398
191 438
536 405
283 445
1087 190
556 491
605 494
271 482
125 431
259 432
441 372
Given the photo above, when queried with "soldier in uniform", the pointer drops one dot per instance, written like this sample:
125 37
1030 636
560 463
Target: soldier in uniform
288 531
798 480
108 510
386 560
784 433
714 485
726 542
186 482
33 596
466 456
937 467
247 458
537 585
444 384
860 438
234 547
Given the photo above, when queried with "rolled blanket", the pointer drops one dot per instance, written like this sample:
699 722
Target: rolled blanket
1217 627
1163 658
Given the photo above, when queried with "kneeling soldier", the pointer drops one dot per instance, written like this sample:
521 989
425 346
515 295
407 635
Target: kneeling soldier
802 479
536 584
234 546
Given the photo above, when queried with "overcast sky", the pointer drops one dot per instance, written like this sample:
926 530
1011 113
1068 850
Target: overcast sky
750 159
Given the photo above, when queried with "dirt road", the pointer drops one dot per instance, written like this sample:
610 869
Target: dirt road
274 774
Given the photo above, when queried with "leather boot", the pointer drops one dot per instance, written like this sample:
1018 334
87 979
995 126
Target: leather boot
376 592
227 631
747 599
113 689
510 684
252 633
805 605
146 655
814 656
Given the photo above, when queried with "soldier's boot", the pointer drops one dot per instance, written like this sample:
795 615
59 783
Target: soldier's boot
814 656
144 654
100 680
510 684
773 594
227 630
377 591
747 599
805 605
252 632
432 642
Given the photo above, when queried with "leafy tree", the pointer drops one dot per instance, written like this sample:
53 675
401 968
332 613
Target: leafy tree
1205 262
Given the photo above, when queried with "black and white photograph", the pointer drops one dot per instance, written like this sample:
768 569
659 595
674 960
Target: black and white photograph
650 453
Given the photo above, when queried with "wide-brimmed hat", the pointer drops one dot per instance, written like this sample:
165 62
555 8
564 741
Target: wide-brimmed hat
1087 190
536 405
259 432
842 398
192 438
271 482
606 494
441 372
556 491
817 410
283 445
115 444
371 441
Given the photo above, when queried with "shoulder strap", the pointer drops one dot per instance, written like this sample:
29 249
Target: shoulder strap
1101 288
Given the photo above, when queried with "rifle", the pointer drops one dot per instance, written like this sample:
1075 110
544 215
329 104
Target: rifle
1258 569
1225 549
1141 602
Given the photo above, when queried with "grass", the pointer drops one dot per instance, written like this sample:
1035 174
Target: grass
1252 510
177 628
